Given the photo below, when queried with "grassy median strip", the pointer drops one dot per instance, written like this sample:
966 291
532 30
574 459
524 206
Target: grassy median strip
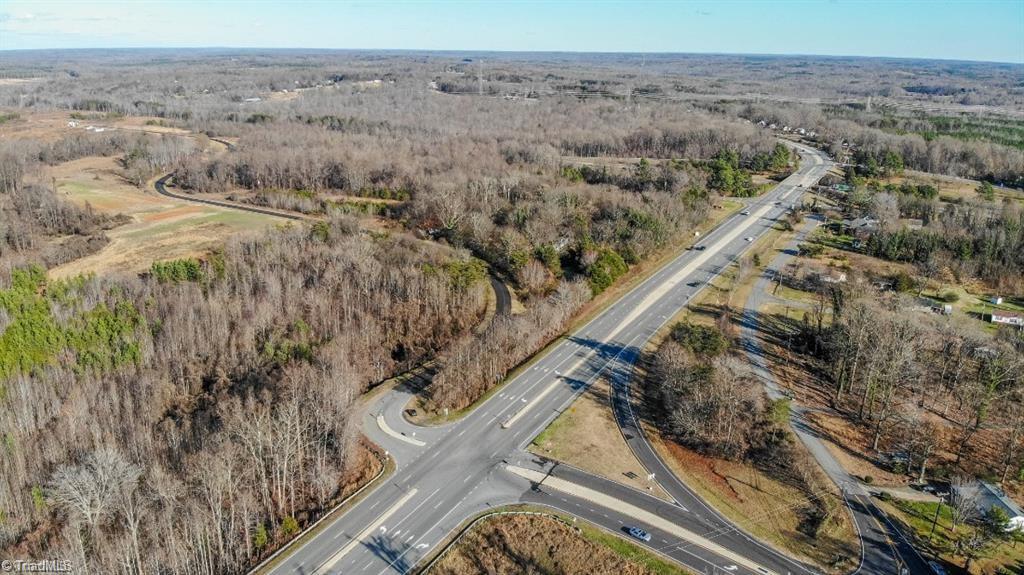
507 536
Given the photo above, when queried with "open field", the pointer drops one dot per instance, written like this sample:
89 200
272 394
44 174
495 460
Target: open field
952 188
49 126
769 509
586 436
542 545
160 228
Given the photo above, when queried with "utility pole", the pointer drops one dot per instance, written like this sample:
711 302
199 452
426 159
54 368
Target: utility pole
935 520
480 76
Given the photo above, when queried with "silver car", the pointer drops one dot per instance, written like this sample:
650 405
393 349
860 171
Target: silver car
640 534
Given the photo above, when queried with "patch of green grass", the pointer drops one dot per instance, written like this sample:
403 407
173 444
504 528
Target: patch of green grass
231 218
920 516
982 305
551 431
76 188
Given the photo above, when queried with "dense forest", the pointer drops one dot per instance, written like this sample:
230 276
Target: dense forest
158 418
925 386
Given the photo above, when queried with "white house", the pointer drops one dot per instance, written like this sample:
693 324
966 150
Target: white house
987 496
1006 317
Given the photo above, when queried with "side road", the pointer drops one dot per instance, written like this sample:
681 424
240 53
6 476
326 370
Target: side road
883 547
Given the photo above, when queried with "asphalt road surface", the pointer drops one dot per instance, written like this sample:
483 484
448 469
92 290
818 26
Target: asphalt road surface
884 547
445 475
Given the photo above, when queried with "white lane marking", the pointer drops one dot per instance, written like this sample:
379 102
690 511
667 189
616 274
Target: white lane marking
651 299
635 512
383 425
334 559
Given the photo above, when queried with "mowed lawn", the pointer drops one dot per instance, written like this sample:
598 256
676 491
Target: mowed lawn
935 533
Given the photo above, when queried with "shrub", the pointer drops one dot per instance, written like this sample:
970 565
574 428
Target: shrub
289 526
176 271
607 268
903 282
702 340
260 538
811 250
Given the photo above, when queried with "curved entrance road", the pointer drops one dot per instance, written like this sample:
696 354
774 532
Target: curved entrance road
463 468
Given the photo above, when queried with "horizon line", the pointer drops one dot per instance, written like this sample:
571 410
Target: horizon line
495 51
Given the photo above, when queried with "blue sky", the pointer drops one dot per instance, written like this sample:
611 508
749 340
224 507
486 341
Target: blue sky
968 30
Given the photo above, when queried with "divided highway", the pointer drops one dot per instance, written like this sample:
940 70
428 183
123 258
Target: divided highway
445 475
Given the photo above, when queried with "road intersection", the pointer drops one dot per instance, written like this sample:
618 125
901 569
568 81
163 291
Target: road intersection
445 475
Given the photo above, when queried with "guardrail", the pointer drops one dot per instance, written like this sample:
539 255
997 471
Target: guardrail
287 546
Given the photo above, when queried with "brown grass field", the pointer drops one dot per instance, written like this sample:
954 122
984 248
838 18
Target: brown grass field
586 436
161 228
536 545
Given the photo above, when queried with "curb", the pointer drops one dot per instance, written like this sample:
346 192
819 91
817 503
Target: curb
287 547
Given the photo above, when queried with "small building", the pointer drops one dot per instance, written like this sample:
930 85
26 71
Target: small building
1006 317
996 300
860 227
987 495
836 278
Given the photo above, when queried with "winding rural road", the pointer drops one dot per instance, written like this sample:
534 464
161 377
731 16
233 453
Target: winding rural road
445 475
884 547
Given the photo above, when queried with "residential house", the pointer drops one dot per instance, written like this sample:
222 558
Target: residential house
860 227
1006 317
986 496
